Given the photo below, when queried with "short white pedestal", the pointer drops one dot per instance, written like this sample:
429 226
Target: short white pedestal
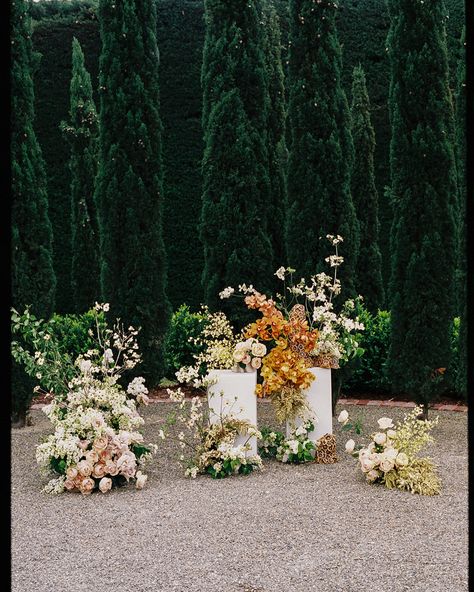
319 397
234 393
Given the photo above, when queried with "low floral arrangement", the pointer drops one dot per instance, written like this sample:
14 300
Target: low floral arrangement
303 331
391 457
248 355
207 443
96 442
295 449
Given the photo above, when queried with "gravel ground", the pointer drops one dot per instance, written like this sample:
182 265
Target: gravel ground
289 528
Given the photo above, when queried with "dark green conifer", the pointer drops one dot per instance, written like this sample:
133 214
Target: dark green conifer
321 150
129 192
365 196
81 132
33 278
236 186
424 238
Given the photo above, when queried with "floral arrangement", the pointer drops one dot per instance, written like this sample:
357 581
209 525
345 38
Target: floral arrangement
248 355
296 449
96 442
303 330
208 443
216 344
391 457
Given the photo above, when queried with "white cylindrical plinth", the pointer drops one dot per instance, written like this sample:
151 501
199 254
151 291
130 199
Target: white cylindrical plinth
319 398
233 393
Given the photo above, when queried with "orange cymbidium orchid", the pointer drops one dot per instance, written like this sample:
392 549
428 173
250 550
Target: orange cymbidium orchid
282 366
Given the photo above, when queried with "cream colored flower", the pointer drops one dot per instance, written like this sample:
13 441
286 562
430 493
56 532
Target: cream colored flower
372 475
390 453
92 456
259 349
100 444
99 470
343 417
366 464
386 464
105 484
350 446
71 473
141 480
385 422
402 460
380 438
391 433
256 363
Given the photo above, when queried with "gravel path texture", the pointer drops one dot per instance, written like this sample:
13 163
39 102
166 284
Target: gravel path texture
287 528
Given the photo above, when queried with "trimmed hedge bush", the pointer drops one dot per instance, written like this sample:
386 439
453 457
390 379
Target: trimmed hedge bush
179 350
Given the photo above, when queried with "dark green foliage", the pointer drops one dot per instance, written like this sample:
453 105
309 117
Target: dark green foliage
72 331
461 383
362 30
129 189
424 190
33 279
236 184
81 132
321 150
365 196
277 151
178 347
53 101
370 375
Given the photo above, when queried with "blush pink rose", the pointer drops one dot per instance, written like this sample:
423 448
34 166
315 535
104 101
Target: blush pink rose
100 443
69 484
87 486
92 456
141 480
99 470
111 468
71 473
84 467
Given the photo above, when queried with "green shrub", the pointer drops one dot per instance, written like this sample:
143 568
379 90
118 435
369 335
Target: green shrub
370 373
179 350
72 331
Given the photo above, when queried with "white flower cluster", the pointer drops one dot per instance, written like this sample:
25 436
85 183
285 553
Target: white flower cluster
297 448
96 442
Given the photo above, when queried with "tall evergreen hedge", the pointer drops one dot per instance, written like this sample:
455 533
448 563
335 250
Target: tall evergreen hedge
424 188
129 188
321 149
362 30
33 279
81 131
236 186
365 196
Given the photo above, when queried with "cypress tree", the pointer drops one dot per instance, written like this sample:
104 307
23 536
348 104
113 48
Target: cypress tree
276 126
129 193
461 383
365 196
236 186
321 150
33 279
424 190
81 132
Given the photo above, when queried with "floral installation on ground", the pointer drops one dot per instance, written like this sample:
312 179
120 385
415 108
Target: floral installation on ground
207 441
96 442
303 331
297 448
390 458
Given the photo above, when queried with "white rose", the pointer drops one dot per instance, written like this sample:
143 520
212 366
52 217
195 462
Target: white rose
380 438
256 363
390 453
141 480
372 475
366 464
391 433
386 465
259 349
401 460
343 417
105 484
350 446
385 422
238 355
